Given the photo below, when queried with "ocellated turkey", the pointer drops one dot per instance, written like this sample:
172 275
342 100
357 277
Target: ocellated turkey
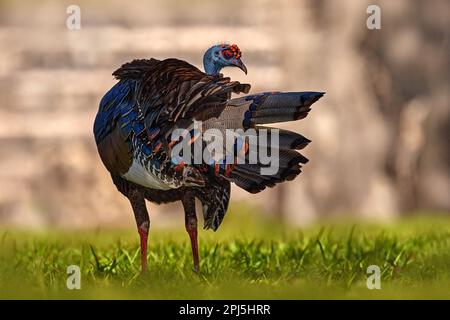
137 115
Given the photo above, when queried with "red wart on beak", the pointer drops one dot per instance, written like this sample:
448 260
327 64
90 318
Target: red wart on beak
234 54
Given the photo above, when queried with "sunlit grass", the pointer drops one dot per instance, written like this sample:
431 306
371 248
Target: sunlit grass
247 258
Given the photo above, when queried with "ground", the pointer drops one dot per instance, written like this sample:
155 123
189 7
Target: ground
249 257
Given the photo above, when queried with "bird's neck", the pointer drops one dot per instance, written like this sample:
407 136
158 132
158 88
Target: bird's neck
211 68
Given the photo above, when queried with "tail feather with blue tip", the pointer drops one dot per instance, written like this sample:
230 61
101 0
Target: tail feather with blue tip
254 111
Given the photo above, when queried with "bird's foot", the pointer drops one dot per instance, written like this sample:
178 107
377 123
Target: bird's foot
197 269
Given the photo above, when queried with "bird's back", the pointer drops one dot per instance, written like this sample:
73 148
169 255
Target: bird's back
136 117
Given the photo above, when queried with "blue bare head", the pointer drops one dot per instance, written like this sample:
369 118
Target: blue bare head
221 56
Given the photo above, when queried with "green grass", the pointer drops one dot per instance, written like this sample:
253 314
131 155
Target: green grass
248 258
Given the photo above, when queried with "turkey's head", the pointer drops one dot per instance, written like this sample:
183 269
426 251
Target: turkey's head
221 56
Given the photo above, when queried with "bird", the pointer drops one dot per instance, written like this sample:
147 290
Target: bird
136 119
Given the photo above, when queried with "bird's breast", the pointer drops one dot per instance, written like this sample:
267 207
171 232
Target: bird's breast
141 175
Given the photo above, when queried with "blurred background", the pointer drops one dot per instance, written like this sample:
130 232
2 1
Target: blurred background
380 136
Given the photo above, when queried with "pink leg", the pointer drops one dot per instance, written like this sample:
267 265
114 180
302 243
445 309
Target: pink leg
192 231
143 234
137 201
191 227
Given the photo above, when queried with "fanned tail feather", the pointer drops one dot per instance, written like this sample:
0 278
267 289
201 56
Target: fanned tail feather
251 112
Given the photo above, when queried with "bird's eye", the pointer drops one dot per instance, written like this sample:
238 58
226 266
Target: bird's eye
216 53
227 54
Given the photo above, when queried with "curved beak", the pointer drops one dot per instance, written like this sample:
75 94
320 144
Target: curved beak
238 63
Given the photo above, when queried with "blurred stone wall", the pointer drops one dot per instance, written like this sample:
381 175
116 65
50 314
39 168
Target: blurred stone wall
380 136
